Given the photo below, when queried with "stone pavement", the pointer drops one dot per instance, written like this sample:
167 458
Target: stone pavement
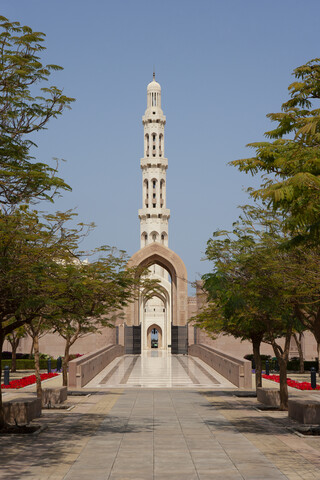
158 369
155 434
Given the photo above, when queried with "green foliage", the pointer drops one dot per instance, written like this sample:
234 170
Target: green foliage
25 107
259 289
246 290
28 364
29 249
290 162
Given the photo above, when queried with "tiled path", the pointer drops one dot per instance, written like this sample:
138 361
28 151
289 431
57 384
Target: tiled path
138 434
158 369
173 418
169 435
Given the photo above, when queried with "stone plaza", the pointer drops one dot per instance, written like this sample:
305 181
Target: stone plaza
155 398
169 418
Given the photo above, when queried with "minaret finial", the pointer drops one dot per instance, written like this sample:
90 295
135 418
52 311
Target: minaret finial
154 73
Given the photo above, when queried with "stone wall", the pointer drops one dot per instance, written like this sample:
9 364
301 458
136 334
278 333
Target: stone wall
84 369
53 344
21 410
236 370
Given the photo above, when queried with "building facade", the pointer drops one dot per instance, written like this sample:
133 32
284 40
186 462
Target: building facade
163 317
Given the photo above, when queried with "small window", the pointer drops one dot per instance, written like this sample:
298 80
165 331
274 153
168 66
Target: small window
148 215
154 184
154 195
154 205
154 147
162 237
147 205
153 137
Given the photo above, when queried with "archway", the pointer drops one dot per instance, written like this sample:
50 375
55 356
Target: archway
156 310
175 290
158 335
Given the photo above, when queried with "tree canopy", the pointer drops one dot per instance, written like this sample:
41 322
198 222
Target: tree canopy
290 161
248 295
27 104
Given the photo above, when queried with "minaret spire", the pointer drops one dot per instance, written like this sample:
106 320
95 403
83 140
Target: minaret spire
154 215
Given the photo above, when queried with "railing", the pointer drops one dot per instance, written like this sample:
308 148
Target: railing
237 370
85 368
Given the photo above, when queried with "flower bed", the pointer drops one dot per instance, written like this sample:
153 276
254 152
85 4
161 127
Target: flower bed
30 380
291 383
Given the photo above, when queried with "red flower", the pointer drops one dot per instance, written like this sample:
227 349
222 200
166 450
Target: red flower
30 380
291 383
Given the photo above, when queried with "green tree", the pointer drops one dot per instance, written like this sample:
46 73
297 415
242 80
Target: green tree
247 287
14 339
89 295
37 328
28 252
290 162
302 277
232 308
27 104
28 245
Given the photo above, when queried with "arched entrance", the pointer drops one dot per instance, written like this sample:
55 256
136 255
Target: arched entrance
155 310
154 336
174 295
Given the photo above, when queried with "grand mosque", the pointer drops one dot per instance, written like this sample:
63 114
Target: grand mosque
165 316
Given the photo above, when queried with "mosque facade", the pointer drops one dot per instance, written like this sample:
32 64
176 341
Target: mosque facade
162 320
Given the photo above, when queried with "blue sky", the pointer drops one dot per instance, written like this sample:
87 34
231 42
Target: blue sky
223 65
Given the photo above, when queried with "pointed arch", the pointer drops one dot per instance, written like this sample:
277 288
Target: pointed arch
155 253
159 329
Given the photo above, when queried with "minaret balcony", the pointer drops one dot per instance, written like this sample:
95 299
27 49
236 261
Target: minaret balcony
154 213
154 162
153 114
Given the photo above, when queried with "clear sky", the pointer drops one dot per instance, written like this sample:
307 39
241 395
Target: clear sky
222 64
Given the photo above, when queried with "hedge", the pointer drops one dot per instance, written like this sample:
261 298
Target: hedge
26 364
293 364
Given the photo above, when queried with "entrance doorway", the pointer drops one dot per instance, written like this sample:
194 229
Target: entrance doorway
169 305
155 315
154 336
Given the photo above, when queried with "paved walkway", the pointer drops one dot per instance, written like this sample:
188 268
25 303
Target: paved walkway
138 434
169 435
158 369
146 430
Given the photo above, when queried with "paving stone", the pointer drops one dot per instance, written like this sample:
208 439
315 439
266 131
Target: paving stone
161 434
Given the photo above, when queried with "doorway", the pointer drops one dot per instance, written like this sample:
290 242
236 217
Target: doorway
154 337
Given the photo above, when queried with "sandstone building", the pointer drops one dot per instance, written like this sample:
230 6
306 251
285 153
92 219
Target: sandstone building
165 316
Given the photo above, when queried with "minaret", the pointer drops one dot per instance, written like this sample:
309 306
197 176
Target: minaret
154 215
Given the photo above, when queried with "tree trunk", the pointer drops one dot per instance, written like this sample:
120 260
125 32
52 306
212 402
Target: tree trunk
37 364
14 346
318 353
257 359
299 346
283 383
282 357
65 364
32 345
2 422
